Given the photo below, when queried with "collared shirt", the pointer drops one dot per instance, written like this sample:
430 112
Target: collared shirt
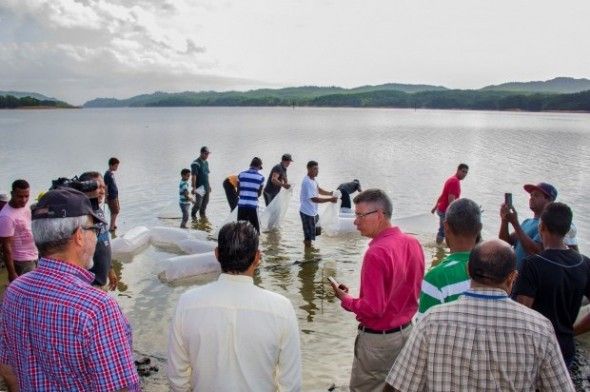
309 189
391 276
60 333
444 282
250 183
484 341
16 223
231 335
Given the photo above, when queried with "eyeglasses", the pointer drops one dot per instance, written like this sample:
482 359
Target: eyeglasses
365 214
96 228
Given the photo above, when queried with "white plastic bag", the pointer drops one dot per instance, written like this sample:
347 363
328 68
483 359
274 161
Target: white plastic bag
191 247
273 215
181 267
171 236
329 218
131 242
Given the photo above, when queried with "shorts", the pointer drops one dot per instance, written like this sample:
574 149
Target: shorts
308 223
114 205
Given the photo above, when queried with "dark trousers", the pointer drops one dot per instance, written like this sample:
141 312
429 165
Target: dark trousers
250 215
200 205
231 194
345 199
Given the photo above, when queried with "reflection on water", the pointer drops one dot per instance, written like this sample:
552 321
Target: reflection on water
408 153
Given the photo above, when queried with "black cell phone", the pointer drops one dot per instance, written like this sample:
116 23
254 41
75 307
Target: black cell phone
508 199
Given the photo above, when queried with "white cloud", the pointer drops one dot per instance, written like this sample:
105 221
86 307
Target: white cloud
80 49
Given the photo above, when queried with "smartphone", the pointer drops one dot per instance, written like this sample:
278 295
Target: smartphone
333 281
508 199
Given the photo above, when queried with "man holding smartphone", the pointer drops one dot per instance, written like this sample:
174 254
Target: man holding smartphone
391 275
525 238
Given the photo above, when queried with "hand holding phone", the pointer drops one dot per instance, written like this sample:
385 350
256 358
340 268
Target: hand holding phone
333 281
508 199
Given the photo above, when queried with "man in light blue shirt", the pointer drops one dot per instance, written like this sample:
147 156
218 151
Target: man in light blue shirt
525 238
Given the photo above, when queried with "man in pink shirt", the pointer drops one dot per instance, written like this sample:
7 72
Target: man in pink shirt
16 237
391 276
451 191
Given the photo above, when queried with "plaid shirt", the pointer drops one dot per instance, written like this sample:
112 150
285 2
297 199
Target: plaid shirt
484 341
58 333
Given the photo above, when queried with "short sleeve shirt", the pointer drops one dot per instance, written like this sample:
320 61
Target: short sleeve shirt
271 188
531 229
349 187
112 189
452 187
557 279
200 168
309 189
16 223
182 189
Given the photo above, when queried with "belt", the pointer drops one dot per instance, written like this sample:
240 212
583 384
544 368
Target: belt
386 331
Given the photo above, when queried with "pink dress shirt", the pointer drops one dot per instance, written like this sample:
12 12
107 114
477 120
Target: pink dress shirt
391 276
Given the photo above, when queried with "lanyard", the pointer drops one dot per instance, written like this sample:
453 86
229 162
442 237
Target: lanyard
486 297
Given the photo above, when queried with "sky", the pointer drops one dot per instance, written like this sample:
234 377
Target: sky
77 50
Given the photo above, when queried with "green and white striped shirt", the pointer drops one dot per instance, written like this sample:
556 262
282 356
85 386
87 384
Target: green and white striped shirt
444 282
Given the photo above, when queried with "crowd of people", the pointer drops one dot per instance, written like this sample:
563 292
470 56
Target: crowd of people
493 315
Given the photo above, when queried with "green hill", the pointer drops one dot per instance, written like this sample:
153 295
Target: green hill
554 86
261 97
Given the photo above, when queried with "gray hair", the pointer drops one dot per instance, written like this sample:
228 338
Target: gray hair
52 235
464 217
376 197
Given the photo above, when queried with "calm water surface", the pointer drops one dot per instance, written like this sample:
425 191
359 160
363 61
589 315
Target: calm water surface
405 152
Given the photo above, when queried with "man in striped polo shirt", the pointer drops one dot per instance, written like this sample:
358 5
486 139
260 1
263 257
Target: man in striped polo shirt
449 279
249 189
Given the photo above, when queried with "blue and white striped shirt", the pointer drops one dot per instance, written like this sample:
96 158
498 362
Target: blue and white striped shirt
250 183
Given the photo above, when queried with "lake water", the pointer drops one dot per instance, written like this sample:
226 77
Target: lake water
408 153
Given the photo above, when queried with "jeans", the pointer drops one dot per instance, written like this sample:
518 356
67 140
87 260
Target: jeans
184 207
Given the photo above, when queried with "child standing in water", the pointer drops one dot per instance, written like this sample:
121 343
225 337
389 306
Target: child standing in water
185 196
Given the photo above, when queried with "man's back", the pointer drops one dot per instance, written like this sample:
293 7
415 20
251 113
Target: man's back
557 279
235 337
481 342
65 334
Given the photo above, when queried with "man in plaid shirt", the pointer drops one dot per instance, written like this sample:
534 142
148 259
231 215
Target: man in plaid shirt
58 332
484 341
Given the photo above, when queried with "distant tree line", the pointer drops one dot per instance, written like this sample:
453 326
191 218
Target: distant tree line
447 99
12 102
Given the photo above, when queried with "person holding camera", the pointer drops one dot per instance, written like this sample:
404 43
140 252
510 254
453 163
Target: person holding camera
102 267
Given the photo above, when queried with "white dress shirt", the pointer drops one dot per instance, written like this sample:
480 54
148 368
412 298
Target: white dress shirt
231 335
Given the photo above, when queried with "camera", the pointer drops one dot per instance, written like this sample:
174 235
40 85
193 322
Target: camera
75 183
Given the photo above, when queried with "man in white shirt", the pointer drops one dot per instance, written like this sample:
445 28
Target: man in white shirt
309 199
231 335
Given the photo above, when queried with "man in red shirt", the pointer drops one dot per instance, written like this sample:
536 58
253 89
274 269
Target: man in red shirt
391 276
451 191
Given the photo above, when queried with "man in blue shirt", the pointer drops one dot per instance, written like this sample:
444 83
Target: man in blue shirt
249 189
525 238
